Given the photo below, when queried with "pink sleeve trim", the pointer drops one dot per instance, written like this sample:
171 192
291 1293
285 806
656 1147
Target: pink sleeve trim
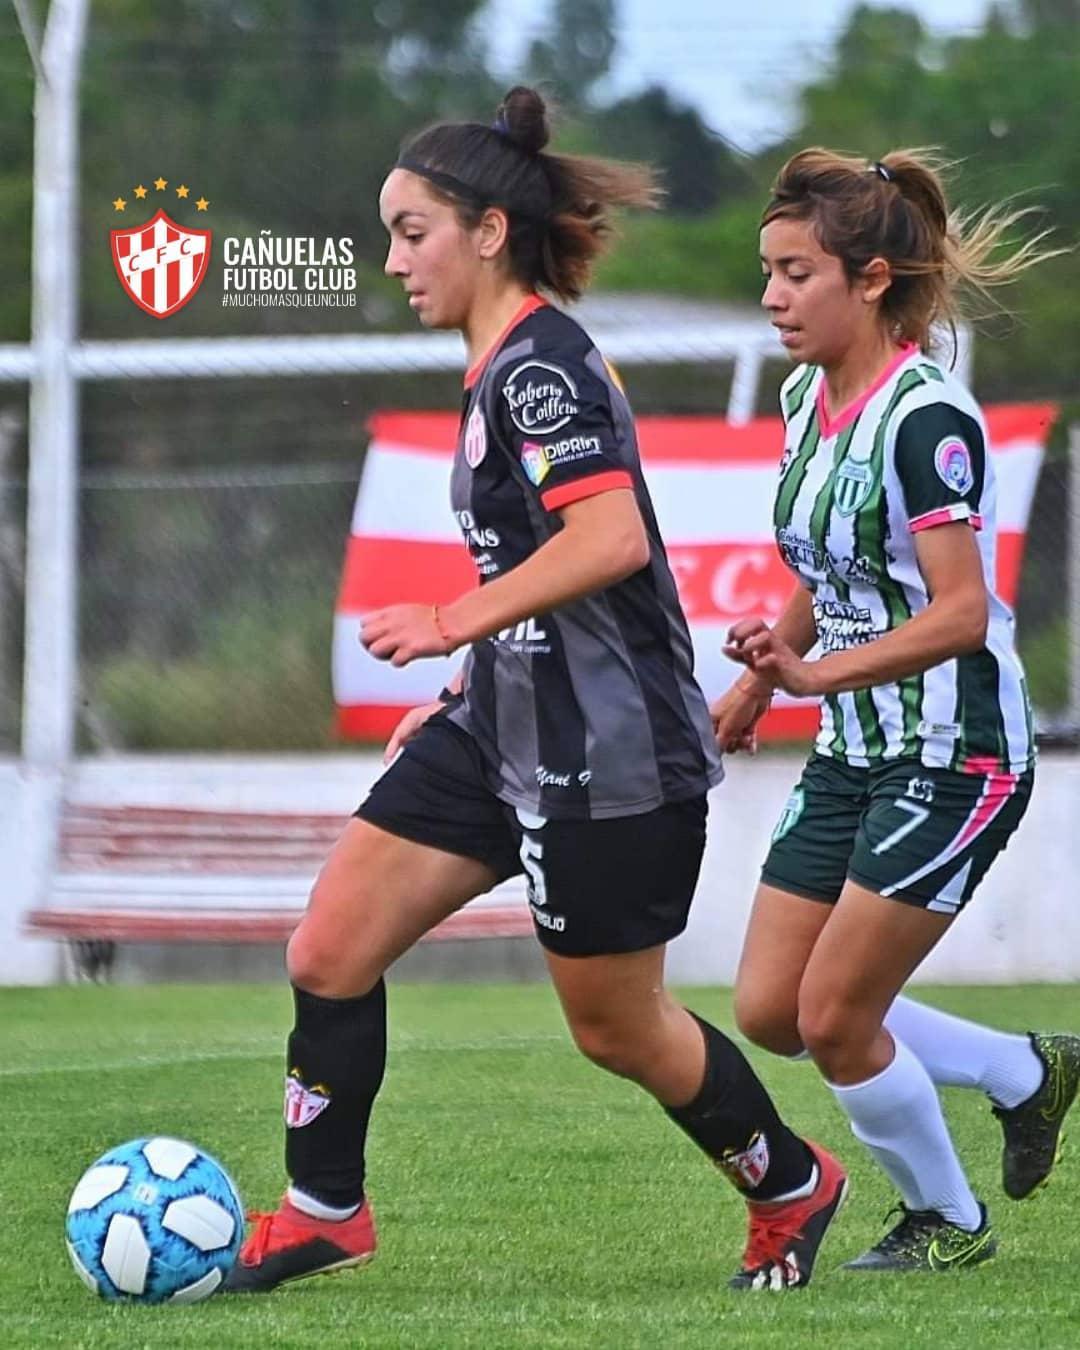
945 515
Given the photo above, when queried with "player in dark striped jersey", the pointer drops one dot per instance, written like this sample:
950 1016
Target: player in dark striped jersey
575 745
885 512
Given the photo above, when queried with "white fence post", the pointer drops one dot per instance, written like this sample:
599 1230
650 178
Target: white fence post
28 838
1072 616
50 678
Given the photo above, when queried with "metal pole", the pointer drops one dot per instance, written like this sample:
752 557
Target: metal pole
51 608
965 358
745 378
1072 544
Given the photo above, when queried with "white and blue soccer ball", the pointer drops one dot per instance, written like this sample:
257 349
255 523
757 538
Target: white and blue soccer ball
154 1221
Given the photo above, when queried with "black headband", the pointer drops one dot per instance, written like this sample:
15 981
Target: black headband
443 180
465 191
880 169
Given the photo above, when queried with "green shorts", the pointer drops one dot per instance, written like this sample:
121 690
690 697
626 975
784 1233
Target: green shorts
922 835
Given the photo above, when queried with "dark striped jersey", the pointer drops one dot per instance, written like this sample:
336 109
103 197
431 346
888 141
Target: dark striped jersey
590 710
853 493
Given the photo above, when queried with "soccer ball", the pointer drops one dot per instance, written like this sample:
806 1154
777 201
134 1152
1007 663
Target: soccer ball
154 1221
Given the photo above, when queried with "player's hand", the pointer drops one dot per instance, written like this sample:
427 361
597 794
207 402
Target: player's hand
753 644
735 716
402 633
407 728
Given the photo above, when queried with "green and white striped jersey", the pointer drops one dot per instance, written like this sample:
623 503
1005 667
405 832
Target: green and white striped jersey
911 453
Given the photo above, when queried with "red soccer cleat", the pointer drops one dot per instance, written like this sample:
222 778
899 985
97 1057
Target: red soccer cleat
290 1245
784 1237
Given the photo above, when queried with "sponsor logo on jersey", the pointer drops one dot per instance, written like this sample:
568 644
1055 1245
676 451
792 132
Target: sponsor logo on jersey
946 730
789 816
525 638
803 555
746 1168
537 459
862 568
572 447
303 1103
854 481
541 397
952 463
841 625
534 461
475 439
798 551
475 534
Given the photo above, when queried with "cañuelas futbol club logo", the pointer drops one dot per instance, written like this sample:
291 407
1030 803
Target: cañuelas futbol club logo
160 264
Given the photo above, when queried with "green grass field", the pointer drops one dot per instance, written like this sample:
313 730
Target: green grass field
524 1198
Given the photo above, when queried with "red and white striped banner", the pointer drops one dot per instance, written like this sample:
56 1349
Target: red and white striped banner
712 485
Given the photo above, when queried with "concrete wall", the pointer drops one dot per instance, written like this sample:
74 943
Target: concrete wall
1024 923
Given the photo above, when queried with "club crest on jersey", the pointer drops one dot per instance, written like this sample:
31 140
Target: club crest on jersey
789 816
747 1168
160 264
475 439
952 463
303 1103
535 462
854 482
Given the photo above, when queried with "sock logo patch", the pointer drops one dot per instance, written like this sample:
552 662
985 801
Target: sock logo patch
746 1168
302 1103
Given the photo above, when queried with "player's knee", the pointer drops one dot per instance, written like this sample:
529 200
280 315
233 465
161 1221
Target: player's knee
767 1022
825 1028
608 1046
324 964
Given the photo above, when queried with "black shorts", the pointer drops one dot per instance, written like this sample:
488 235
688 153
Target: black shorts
595 887
923 835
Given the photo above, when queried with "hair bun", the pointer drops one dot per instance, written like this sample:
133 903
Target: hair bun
522 118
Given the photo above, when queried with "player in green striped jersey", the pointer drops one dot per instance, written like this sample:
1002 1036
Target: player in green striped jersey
885 512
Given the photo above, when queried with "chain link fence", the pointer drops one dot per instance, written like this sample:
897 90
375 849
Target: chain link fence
213 517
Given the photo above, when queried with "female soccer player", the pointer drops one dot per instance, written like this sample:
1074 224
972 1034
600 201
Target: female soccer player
922 769
575 744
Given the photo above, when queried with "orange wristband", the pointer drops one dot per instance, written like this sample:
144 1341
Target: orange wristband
450 644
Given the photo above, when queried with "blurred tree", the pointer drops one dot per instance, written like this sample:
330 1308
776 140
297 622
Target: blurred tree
1004 106
699 169
1043 14
577 51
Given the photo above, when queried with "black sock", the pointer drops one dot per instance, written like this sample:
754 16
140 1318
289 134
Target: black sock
336 1059
734 1121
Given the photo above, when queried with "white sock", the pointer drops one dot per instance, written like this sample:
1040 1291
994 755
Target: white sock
898 1117
307 1204
964 1054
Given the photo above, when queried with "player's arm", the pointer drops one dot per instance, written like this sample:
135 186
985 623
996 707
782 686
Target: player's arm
603 541
953 624
600 541
795 627
940 463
